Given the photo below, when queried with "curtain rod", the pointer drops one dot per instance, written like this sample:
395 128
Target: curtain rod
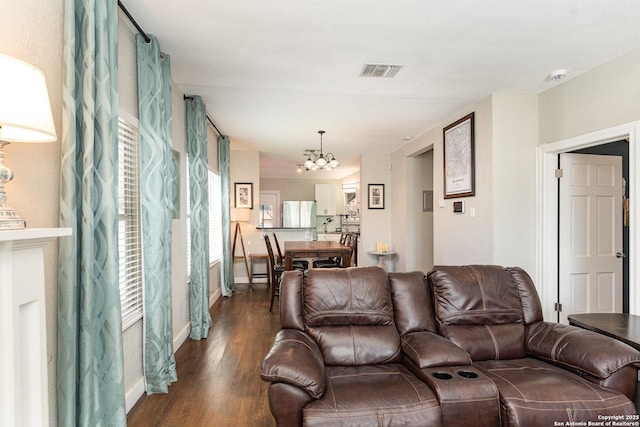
133 21
148 40
208 118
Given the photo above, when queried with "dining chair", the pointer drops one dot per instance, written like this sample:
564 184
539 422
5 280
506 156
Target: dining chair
351 240
297 264
332 261
275 269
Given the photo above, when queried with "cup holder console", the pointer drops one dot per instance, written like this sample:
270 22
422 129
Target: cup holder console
464 389
442 375
467 374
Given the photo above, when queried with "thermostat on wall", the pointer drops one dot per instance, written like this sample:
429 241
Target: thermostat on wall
458 207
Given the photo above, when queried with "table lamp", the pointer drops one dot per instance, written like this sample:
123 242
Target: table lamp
25 116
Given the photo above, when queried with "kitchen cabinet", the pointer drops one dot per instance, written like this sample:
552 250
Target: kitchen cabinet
326 199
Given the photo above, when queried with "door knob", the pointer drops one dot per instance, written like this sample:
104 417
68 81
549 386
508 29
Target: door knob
620 255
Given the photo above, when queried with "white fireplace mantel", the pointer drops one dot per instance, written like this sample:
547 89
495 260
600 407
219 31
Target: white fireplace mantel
24 399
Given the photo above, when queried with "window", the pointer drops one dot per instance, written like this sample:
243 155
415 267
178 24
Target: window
129 239
215 218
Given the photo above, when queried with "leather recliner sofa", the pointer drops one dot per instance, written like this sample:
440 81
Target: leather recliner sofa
361 347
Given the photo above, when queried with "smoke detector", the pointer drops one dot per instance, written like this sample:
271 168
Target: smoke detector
558 74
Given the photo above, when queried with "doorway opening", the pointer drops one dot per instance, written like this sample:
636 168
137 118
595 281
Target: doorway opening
547 206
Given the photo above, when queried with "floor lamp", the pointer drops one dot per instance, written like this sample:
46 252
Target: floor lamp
238 216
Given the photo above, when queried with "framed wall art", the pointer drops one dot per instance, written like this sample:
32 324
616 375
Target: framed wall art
459 158
243 195
376 196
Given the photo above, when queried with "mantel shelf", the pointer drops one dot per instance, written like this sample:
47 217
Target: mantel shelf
33 234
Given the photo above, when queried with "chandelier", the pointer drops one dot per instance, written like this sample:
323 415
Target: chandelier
320 161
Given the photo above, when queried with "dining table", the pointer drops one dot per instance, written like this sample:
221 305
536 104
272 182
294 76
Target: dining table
315 249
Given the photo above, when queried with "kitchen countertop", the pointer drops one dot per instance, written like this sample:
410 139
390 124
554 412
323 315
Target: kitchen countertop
286 228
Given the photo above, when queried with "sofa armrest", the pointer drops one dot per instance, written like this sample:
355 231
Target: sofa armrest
295 359
579 349
427 350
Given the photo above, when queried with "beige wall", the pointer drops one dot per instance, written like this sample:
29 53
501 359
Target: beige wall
290 189
244 166
515 138
375 224
461 238
419 232
501 230
601 98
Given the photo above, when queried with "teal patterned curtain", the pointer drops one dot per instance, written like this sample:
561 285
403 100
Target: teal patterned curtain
90 367
228 285
154 104
199 203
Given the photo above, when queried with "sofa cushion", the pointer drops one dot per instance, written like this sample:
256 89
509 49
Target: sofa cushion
349 314
475 295
479 308
353 296
536 393
373 395
412 303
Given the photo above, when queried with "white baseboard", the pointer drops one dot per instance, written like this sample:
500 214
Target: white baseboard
137 390
213 298
134 394
181 337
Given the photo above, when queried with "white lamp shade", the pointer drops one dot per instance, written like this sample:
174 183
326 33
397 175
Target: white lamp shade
240 215
25 111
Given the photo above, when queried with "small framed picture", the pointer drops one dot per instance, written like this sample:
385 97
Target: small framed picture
243 195
376 196
459 158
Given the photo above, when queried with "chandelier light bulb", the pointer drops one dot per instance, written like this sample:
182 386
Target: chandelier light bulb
309 163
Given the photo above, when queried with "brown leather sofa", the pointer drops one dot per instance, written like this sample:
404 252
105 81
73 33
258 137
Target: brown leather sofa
546 373
468 347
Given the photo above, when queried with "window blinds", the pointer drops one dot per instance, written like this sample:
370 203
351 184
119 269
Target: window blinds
129 239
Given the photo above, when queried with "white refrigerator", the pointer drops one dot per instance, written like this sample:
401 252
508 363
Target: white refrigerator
299 214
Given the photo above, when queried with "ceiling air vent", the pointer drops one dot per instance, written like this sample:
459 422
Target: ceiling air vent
380 70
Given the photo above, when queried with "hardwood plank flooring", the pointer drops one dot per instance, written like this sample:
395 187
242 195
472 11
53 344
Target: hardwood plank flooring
218 379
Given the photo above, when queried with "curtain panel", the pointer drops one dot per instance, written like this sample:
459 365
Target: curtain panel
228 285
90 367
156 162
199 204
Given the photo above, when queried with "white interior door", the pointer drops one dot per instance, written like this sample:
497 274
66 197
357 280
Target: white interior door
590 236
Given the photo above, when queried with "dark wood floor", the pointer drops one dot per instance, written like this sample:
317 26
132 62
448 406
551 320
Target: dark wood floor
218 380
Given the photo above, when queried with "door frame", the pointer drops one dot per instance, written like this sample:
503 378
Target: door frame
547 210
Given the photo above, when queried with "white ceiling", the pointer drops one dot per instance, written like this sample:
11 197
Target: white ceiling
273 73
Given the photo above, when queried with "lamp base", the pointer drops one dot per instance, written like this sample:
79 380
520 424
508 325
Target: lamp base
9 219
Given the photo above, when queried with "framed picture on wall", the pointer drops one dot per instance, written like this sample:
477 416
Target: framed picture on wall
243 195
376 196
459 158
